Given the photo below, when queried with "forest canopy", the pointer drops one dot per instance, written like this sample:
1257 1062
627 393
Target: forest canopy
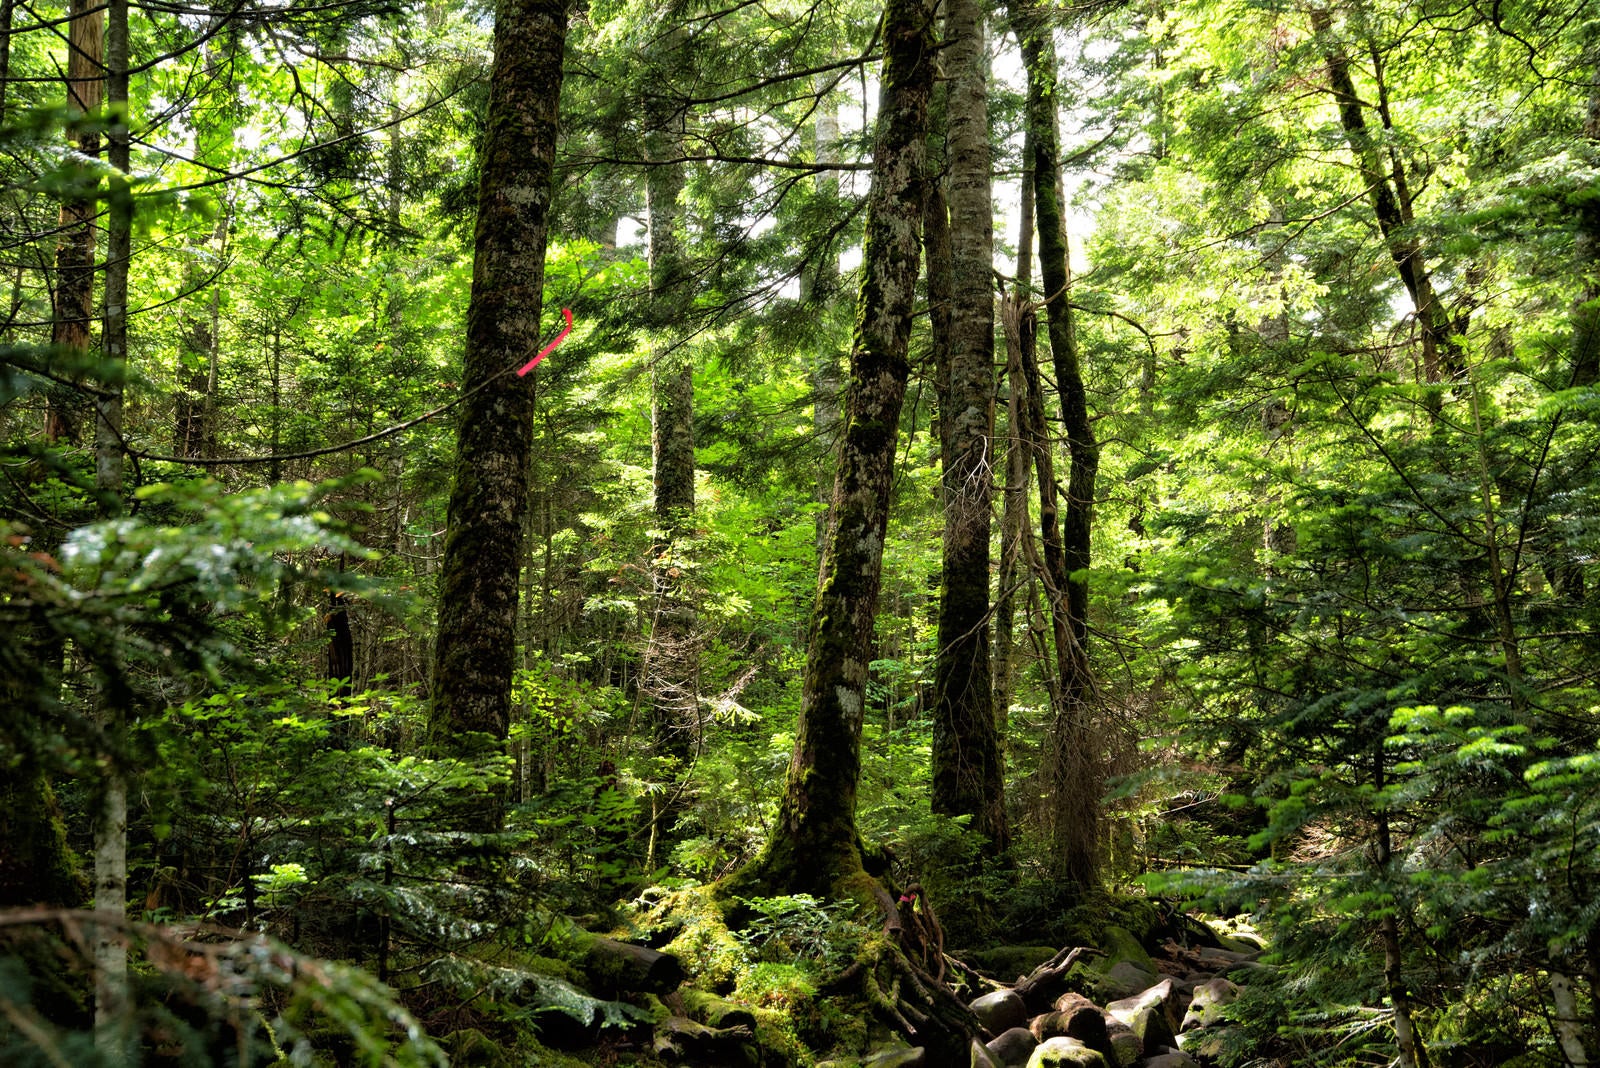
756 533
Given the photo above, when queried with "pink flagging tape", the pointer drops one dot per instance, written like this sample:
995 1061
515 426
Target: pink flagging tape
546 350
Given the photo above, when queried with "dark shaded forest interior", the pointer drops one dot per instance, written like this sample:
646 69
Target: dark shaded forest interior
804 533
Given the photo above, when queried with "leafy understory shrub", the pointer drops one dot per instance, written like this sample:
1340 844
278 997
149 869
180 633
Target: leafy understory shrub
799 929
199 996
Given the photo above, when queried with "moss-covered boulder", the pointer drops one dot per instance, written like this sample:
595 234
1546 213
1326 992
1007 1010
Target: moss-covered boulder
1065 1053
1206 1008
1121 945
471 1048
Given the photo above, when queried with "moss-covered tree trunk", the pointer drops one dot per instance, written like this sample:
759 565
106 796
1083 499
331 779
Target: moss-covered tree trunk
967 776
1071 764
814 846
478 585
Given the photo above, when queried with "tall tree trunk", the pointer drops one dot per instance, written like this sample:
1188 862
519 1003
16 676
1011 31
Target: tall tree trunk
673 655
193 431
1073 770
817 288
967 773
1586 250
1413 1052
478 581
1017 320
111 826
8 10
75 256
814 844
1389 193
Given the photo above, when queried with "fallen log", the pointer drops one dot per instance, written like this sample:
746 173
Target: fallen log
613 968
1040 987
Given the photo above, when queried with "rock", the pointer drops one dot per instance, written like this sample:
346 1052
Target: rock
1176 1059
1013 1047
1246 972
1163 996
1120 945
999 1011
1075 1016
473 1047
981 1057
899 1057
1206 1044
1210 999
1226 956
1126 1049
1065 1053
1088 979
1125 977
1088 1026
1150 1024
1070 1002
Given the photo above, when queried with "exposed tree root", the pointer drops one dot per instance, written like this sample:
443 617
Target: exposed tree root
908 999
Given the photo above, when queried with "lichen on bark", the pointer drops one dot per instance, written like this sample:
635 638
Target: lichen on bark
478 582
814 845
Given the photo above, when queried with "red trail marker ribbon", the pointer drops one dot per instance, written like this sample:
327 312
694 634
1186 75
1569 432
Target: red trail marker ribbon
546 350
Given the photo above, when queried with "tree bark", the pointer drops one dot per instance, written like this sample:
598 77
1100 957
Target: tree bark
814 845
1586 250
8 10
967 773
1413 1052
111 824
75 256
1390 196
1074 783
1019 328
478 587
817 288
672 657
193 431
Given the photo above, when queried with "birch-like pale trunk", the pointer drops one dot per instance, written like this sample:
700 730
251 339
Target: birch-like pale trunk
111 1016
817 286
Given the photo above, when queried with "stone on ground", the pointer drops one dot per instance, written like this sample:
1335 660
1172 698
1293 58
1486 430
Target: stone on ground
1210 998
1013 1047
999 1011
1065 1053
